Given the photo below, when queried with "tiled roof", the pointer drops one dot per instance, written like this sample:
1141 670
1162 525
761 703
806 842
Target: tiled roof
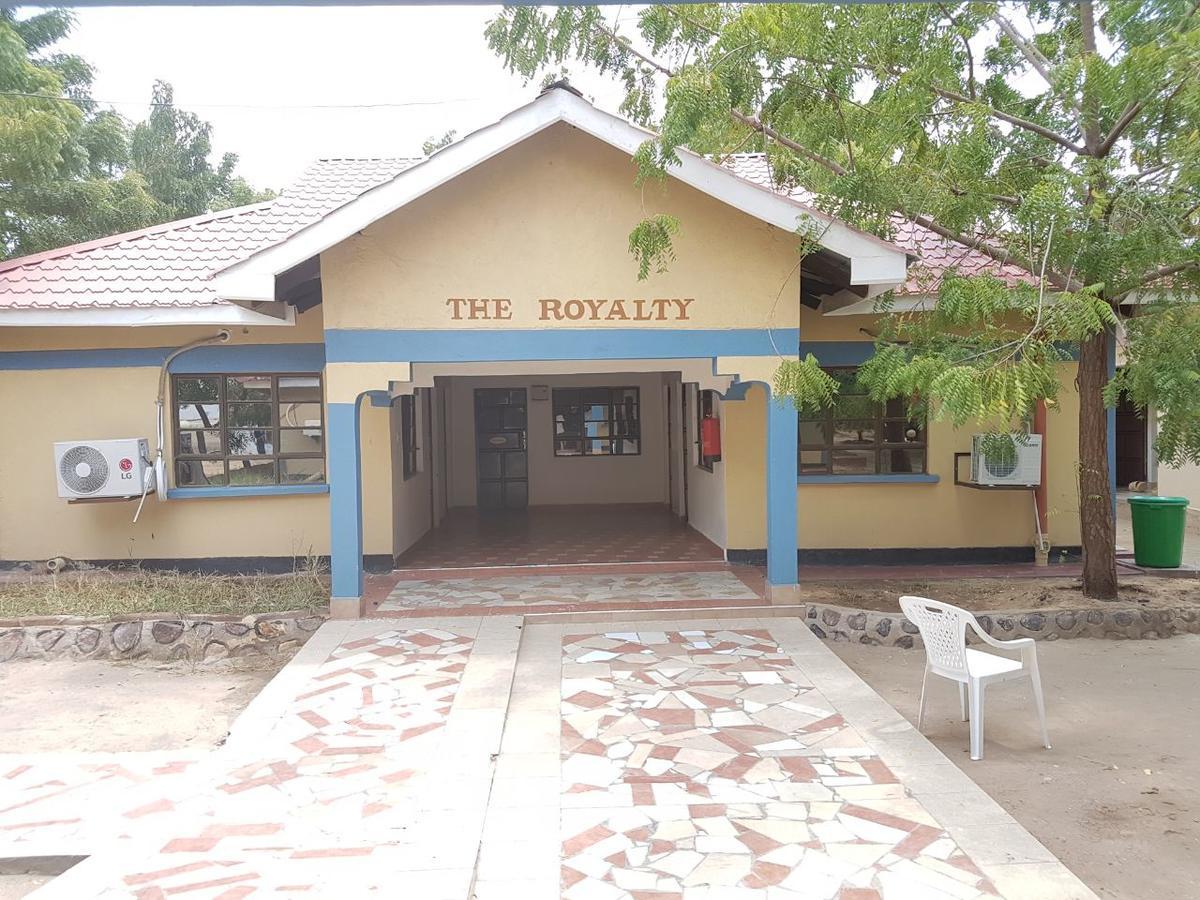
935 254
172 265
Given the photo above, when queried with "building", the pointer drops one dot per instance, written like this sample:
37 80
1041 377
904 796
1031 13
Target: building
412 343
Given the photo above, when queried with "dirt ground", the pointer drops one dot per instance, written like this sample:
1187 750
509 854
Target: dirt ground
1118 798
1002 594
113 706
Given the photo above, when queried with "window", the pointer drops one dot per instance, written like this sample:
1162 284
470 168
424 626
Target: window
597 422
706 402
247 430
408 437
857 436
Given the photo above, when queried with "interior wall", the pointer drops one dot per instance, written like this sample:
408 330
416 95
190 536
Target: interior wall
678 461
705 489
560 480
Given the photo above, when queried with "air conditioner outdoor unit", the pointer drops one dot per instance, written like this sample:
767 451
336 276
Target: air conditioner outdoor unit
94 470
1022 465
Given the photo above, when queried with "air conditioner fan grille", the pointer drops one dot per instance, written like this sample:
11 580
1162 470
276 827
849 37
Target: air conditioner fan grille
95 474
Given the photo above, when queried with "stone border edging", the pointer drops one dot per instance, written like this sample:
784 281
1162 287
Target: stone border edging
864 626
195 638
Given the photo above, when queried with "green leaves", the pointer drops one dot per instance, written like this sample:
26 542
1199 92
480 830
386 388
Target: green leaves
70 172
810 388
650 244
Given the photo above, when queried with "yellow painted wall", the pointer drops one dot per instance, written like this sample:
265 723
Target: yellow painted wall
550 218
41 407
840 516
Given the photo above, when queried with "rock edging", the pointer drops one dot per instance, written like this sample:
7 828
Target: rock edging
861 626
193 638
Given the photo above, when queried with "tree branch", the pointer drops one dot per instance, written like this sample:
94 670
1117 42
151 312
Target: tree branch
767 131
1127 116
1030 52
1027 125
1165 271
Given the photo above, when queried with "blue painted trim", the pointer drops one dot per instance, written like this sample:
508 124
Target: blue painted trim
261 490
477 345
251 358
345 498
868 479
782 537
1111 415
238 357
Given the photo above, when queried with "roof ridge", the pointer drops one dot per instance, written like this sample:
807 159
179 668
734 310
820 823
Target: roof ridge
97 243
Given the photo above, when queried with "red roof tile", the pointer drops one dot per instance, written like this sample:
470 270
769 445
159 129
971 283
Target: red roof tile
172 265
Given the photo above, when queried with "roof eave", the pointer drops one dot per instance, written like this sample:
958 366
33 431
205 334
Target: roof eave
142 317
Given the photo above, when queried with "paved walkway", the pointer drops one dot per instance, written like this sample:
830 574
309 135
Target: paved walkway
495 757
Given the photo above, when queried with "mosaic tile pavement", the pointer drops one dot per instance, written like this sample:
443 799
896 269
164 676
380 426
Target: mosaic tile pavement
72 803
537 591
326 801
703 764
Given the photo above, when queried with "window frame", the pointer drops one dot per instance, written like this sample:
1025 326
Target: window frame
223 427
878 445
408 437
611 421
705 404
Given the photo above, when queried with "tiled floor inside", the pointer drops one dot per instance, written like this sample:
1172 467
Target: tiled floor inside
494 758
581 590
560 535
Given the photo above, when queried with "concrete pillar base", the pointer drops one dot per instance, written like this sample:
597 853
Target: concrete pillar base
345 607
783 594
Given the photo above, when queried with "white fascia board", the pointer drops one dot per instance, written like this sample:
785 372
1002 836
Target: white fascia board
225 314
872 261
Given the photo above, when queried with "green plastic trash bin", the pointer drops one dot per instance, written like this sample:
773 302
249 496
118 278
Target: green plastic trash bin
1158 527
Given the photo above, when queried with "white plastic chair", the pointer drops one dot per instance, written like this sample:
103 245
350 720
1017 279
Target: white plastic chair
944 630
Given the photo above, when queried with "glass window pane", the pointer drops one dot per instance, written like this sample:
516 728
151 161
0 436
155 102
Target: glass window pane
198 473
596 395
853 462
513 417
248 387
300 387
902 433
301 440
196 389
292 471
243 471
814 461
198 443
896 408
847 380
627 447
854 406
814 432
597 447
515 465
596 429
567 448
199 415
903 461
251 441
242 415
851 433
300 414
596 412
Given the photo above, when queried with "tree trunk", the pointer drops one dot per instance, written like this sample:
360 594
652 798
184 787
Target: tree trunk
1096 525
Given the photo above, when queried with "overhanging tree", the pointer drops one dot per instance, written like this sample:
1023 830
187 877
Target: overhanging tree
1061 137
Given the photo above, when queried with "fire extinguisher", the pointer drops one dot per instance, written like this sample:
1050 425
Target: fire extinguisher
710 437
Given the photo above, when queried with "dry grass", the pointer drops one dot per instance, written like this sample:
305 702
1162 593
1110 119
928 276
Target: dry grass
116 593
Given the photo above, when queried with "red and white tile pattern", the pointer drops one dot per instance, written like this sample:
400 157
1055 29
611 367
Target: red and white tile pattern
703 764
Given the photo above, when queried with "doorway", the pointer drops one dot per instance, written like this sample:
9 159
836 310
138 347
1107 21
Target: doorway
501 449
1132 439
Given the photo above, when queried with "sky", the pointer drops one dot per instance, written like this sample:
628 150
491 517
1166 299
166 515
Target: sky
260 76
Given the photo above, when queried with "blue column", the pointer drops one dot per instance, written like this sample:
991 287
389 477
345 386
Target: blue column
782 440
345 500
